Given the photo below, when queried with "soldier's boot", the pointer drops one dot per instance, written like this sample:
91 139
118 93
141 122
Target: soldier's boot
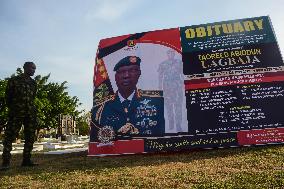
6 157
5 165
27 160
29 140
28 163
179 129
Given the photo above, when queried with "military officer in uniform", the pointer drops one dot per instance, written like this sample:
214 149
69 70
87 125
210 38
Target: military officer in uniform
131 111
20 95
171 82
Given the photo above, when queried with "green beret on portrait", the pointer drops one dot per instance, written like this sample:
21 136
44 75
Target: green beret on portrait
127 61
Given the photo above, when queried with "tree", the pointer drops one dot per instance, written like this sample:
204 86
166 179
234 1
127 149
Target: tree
82 123
52 100
3 107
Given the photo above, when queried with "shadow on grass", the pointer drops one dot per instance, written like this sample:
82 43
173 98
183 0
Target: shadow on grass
61 164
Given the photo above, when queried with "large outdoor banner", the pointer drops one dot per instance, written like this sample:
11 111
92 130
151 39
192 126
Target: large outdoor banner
201 86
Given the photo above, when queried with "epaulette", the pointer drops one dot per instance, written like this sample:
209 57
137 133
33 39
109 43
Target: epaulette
150 93
99 106
14 77
104 100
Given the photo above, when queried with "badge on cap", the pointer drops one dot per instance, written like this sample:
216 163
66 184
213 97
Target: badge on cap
127 61
133 59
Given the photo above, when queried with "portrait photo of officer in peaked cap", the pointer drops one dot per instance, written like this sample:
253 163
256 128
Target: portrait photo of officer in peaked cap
131 111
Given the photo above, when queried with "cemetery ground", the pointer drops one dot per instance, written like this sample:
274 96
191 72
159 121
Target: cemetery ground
246 167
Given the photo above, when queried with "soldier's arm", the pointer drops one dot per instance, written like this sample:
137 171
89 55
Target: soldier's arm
35 88
180 69
161 75
9 93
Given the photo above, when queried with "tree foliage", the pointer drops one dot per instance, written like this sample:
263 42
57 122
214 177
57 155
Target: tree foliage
52 100
3 107
82 123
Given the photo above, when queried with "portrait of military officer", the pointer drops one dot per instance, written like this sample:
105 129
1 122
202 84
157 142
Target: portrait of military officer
171 82
20 94
131 111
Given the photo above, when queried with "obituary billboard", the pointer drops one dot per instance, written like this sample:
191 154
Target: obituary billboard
201 86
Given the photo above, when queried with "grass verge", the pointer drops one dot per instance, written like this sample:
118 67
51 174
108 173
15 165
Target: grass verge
254 167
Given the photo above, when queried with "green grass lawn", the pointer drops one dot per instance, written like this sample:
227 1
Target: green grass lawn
253 167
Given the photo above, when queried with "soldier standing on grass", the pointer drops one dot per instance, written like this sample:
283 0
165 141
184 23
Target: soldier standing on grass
20 95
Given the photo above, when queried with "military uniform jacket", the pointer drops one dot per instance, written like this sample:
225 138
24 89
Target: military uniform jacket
144 117
20 95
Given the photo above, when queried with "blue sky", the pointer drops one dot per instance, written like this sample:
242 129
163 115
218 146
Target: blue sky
61 36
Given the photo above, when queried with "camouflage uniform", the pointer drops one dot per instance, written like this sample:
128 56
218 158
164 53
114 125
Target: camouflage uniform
20 95
170 80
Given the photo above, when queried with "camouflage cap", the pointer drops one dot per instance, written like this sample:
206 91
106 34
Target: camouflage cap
127 61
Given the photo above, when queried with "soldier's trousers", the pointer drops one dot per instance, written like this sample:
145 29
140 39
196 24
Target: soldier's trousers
174 110
12 131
